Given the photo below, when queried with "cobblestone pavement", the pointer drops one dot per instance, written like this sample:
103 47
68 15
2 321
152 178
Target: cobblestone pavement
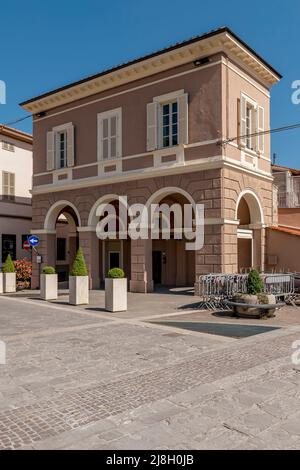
80 379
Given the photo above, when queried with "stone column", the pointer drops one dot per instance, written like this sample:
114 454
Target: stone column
141 266
259 248
47 250
209 258
230 248
89 243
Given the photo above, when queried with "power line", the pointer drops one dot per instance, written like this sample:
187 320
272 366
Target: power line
256 134
15 121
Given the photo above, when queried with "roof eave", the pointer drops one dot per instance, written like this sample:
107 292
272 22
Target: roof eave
180 53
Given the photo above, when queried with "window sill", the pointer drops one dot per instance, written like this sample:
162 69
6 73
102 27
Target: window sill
253 153
167 150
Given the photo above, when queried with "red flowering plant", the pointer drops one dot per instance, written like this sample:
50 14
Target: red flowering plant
23 269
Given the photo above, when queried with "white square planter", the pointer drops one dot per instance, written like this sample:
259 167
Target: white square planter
79 290
49 286
1 283
116 294
9 282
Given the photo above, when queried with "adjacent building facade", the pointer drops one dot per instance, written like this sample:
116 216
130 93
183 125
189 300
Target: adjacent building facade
15 199
283 240
185 125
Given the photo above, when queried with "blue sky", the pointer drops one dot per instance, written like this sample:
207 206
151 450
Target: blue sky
47 44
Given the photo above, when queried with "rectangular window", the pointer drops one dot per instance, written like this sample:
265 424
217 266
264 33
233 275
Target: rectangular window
61 144
8 146
169 124
251 125
8 247
61 147
109 135
61 249
167 121
8 186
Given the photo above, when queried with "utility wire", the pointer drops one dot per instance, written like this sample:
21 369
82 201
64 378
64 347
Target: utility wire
255 134
15 121
221 142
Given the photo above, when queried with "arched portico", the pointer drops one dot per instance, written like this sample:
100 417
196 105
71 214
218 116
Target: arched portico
162 259
250 232
113 251
55 210
61 225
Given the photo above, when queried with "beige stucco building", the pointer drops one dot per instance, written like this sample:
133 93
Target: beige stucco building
283 240
15 201
183 125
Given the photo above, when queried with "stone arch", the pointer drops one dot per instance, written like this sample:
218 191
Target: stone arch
164 192
55 210
254 205
250 233
106 199
172 264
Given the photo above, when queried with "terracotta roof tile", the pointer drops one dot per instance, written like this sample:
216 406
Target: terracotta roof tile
291 231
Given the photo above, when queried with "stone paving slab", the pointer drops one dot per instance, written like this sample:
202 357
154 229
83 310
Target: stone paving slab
28 424
91 382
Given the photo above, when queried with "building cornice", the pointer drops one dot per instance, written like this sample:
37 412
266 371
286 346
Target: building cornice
222 40
15 134
217 162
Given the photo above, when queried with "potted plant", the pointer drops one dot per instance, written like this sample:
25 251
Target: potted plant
116 291
257 303
9 275
79 281
48 283
23 268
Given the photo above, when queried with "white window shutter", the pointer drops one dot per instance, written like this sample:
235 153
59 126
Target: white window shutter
50 150
243 104
119 135
254 124
152 127
183 130
260 129
70 146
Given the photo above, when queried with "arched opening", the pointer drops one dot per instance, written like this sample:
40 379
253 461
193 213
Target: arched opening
115 250
172 264
61 222
249 213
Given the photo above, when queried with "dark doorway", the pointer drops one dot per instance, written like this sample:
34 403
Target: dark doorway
244 254
8 247
156 266
114 259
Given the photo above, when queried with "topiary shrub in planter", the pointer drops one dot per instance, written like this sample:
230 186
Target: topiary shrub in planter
48 283
254 298
9 275
48 270
116 291
116 273
79 281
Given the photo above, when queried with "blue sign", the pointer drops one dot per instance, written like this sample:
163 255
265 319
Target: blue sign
33 240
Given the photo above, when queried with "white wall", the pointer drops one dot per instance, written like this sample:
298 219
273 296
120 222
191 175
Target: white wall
15 216
18 162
